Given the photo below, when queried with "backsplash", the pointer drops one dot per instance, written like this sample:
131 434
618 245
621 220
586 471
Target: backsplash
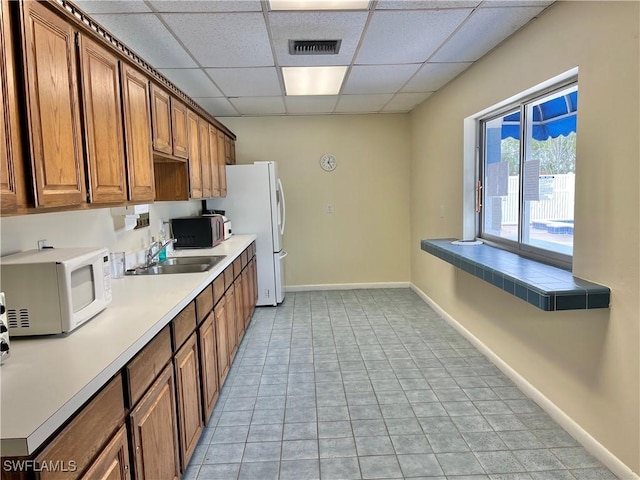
87 228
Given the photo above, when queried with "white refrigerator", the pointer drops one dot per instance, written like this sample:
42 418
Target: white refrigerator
255 204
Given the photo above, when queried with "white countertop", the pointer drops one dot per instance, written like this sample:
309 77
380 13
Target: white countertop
46 379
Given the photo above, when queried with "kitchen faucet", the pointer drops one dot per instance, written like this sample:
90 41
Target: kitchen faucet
150 253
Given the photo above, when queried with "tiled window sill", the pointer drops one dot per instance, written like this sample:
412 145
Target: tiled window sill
546 287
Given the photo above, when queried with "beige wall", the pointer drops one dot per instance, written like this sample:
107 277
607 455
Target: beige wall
586 362
366 239
96 227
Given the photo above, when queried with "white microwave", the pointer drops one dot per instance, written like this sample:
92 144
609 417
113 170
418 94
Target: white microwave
53 291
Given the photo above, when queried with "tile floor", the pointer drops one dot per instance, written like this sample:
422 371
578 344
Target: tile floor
374 384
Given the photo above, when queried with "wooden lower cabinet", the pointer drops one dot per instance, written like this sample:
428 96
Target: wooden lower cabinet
208 365
187 369
232 336
154 431
113 462
222 342
86 435
239 307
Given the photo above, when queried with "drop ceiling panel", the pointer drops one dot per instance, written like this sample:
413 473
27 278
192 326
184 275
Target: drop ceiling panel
486 28
432 76
425 4
405 102
259 105
407 36
148 37
246 82
173 6
345 26
378 78
223 39
218 107
193 81
111 6
311 105
362 103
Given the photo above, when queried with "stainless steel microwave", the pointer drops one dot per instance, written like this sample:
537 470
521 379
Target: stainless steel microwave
56 290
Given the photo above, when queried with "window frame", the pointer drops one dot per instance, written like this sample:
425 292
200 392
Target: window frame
519 103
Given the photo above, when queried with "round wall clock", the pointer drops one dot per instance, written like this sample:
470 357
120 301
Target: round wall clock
328 162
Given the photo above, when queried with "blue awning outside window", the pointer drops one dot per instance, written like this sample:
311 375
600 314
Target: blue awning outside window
552 118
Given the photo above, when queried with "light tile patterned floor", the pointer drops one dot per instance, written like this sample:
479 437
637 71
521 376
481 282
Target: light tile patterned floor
374 384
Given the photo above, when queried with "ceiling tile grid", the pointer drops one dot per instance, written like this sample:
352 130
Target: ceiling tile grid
228 54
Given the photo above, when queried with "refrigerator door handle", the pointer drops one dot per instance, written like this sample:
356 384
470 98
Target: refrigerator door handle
283 214
283 254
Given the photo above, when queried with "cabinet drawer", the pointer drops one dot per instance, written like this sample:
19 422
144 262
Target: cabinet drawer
228 276
253 249
245 257
218 288
83 438
145 367
204 303
183 325
237 266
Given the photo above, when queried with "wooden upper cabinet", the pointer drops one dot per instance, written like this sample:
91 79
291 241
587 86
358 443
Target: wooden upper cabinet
195 171
8 197
213 157
227 150
179 129
222 172
205 158
104 136
53 111
137 127
161 120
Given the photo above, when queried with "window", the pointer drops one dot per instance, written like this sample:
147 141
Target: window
527 174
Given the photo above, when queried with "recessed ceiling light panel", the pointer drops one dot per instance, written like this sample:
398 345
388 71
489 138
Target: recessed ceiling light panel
313 80
319 4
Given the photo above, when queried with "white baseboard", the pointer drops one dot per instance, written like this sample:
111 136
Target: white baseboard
594 447
345 286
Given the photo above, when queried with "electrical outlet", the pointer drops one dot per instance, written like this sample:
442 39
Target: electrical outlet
42 244
329 208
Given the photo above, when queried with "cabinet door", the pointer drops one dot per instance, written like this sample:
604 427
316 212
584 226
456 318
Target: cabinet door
154 431
137 126
195 170
179 129
52 107
8 197
227 150
208 365
232 335
113 462
222 342
103 123
245 296
161 120
222 171
205 158
239 304
213 157
188 394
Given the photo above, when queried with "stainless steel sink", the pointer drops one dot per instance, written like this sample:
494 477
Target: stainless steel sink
179 265
193 260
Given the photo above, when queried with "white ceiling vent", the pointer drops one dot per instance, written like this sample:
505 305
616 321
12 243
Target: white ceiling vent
314 47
